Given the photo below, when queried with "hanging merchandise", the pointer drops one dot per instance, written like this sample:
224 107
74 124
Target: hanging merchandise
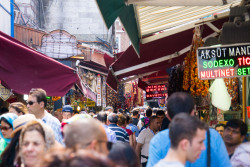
90 78
104 92
127 94
99 91
191 81
111 97
175 80
233 89
135 93
140 98
121 98
220 96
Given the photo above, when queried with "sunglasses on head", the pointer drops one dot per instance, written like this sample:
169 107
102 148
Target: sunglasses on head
4 128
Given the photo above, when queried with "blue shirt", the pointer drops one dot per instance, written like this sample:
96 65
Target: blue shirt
110 134
55 125
160 145
133 128
121 134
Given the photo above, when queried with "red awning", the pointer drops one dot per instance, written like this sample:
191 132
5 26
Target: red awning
109 60
159 77
90 65
22 68
157 55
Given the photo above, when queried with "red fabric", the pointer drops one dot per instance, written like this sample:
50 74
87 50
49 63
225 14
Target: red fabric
157 49
95 66
109 60
142 84
128 131
22 68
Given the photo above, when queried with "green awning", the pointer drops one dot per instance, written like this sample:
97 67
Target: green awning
111 9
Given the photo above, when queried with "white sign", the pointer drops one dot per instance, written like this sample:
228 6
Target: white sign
4 93
104 92
99 91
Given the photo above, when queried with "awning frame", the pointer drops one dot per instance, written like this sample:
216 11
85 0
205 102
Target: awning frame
90 69
179 2
184 27
152 62
136 77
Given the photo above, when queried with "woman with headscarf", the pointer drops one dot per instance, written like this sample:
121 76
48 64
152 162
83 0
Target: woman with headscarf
35 140
6 127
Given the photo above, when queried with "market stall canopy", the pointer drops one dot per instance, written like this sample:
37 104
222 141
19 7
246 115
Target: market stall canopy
143 23
157 78
92 66
22 68
111 59
159 54
179 2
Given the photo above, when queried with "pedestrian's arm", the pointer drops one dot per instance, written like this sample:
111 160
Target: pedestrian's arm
138 151
134 140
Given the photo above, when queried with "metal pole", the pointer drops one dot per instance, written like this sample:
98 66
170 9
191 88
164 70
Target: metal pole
244 99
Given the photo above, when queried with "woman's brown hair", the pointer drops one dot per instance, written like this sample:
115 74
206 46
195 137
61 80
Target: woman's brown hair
19 107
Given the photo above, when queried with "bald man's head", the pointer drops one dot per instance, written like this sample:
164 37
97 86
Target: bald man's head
81 133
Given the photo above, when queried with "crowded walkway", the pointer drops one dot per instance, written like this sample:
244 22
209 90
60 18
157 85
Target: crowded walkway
33 137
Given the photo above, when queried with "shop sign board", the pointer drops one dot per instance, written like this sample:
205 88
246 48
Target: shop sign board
99 91
90 103
104 92
223 61
156 91
4 93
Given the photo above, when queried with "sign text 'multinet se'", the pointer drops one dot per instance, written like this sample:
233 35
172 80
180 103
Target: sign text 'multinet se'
223 61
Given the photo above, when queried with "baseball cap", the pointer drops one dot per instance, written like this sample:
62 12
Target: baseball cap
67 108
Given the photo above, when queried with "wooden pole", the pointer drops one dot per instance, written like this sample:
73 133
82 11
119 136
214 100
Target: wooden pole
244 99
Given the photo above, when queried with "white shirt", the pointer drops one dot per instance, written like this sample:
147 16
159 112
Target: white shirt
144 138
163 163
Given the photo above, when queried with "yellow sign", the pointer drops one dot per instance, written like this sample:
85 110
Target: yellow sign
90 103
4 93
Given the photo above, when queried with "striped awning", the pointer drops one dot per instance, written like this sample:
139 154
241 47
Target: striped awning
142 21
155 19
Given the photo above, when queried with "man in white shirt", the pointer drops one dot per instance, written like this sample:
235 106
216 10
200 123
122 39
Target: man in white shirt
187 135
144 138
36 104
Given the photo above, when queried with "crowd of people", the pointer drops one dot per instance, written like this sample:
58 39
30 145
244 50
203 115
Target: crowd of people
32 137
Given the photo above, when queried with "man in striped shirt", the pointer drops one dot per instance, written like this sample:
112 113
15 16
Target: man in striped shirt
121 134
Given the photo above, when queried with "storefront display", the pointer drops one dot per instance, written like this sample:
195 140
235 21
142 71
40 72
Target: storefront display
111 97
175 83
191 82
128 96
50 104
233 89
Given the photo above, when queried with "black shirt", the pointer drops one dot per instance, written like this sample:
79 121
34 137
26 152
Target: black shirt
135 121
